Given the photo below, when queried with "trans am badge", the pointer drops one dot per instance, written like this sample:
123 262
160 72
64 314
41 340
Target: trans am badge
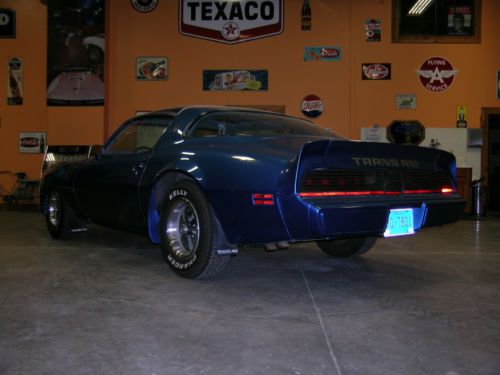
312 106
436 74
375 72
235 80
231 21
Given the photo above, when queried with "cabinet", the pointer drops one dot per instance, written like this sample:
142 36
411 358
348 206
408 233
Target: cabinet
464 179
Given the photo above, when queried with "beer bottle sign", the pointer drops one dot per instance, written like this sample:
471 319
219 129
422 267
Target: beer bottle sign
306 15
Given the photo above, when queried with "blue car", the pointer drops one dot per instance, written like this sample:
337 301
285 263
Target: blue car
201 181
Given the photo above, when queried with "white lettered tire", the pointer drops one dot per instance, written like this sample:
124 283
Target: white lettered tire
187 232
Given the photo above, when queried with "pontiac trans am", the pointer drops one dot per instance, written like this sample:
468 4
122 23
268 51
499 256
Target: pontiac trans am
201 181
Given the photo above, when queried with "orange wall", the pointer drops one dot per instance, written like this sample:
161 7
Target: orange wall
350 103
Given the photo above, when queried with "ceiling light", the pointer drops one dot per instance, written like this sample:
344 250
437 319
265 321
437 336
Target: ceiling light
419 7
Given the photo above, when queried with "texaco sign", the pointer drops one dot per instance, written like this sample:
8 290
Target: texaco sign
231 21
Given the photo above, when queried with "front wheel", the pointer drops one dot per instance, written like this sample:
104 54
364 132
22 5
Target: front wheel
347 247
188 232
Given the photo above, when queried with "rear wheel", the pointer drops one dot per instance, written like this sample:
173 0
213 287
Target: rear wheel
188 232
347 247
58 216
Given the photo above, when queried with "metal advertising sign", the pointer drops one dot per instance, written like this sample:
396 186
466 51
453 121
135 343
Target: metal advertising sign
231 21
15 85
235 80
322 53
7 23
373 30
376 72
406 101
32 143
151 68
436 74
312 106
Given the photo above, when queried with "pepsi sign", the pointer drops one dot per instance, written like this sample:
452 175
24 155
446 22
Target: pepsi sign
312 106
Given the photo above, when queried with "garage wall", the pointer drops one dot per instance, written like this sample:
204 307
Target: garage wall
350 103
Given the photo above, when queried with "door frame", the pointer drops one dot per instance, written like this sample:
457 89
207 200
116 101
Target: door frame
485 112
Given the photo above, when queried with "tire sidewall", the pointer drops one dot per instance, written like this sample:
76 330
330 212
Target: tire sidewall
193 266
56 230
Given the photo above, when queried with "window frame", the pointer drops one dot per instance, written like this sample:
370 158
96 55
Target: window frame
450 39
137 121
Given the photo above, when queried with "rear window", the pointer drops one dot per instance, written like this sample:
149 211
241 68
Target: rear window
255 124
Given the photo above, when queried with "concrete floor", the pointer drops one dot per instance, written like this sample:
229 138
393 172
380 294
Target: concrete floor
108 304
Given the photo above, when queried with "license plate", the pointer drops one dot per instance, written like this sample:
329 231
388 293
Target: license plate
400 223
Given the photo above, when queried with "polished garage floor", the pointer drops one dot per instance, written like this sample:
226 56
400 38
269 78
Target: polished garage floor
107 304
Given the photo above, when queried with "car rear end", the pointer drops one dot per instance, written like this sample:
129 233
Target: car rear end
351 189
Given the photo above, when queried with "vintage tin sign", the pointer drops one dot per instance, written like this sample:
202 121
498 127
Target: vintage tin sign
376 71
373 30
461 116
151 68
32 143
322 53
231 21
235 80
15 84
7 23
406 101
312 106
144 6
436 74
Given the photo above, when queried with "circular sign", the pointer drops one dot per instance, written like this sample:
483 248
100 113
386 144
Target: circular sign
436 74
312 106
144 6
230 31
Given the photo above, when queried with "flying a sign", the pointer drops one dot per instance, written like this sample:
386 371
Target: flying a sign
231 21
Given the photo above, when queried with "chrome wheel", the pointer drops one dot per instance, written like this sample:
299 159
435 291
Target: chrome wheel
54 209
182 228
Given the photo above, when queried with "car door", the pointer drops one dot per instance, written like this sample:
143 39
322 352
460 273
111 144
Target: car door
107 185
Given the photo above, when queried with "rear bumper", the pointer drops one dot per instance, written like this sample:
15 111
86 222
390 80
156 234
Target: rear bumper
320 218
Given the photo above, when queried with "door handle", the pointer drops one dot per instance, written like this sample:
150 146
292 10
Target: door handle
138 168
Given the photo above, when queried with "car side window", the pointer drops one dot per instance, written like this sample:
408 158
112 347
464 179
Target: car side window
139 136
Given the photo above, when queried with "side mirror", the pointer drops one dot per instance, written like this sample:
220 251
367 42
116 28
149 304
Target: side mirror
95 150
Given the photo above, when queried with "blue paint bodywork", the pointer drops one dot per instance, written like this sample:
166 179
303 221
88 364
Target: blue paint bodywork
230 169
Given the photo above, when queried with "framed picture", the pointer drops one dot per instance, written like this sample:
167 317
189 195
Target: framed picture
32 142
151 68
7 23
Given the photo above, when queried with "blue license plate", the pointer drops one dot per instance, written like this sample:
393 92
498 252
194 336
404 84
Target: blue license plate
400 222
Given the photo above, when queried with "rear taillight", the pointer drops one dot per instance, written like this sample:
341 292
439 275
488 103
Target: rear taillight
335 182
373 192
263 199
